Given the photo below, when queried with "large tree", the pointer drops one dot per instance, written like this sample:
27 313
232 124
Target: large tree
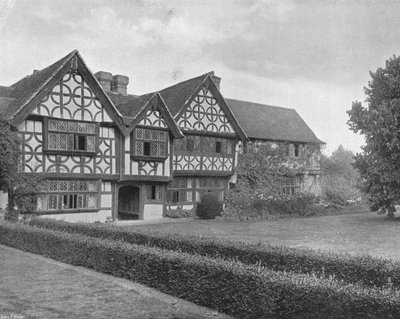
379 122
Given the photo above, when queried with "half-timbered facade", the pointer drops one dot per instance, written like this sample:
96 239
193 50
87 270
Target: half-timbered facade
106 154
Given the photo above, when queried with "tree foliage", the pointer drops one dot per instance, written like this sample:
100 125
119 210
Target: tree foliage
22 189
379 123
340 180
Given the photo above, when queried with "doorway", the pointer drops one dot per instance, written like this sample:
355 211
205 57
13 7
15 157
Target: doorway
128 203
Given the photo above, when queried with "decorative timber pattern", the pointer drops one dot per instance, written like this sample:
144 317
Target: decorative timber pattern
35 160
153 118
205 114
72 99
197 153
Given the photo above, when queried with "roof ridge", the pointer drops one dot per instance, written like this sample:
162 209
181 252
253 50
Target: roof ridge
195 78
261 104
47 67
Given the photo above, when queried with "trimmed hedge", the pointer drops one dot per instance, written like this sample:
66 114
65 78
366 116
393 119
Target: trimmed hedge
365 269
244 291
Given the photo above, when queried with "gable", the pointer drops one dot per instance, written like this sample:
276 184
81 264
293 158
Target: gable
154 113
152 116
69 91
72 98
204 113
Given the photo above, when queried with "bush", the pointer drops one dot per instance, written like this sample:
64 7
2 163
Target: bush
367 270
209 208
11 215
180 213
240 290
245 206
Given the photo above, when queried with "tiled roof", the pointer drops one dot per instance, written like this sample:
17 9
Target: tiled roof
257 120
267 122
176 96
131 105
25 88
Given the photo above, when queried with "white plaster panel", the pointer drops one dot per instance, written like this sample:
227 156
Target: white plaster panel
152 211
106 200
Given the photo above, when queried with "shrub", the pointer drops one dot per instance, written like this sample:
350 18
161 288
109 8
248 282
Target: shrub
244 206
209 208
180 213
11 215
240 290
367 270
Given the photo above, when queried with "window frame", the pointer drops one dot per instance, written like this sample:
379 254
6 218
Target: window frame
76 136
153 190
134 139
197 186
75 195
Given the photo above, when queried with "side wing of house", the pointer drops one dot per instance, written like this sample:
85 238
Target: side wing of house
69 137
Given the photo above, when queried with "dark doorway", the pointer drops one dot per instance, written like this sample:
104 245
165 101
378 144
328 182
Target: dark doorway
128 203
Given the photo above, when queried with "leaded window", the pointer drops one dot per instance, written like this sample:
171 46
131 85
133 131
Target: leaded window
69 195
153 193
71 136
291 185
149 143
190 189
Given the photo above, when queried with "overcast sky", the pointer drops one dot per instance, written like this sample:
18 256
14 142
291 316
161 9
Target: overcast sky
313 56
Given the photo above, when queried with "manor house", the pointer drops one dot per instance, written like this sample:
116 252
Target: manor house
107 154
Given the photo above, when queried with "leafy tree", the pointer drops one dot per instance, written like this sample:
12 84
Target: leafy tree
379 123
339 178
22 189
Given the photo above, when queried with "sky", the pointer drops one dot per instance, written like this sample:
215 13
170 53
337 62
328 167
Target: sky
313 56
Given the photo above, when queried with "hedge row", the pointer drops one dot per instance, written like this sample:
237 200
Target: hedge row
244 291
364 269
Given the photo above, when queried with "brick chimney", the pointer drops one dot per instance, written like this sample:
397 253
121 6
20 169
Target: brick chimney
105 79
119 84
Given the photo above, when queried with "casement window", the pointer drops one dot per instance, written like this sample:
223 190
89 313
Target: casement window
149 143
71 136
190 189
69 195
153 193
207 145
291 185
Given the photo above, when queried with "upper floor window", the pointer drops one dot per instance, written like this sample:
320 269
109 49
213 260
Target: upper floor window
149 143
206 145
71 136
294 150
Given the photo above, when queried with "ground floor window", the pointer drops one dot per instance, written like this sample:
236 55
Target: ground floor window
69 195
291 185
190 189
153 193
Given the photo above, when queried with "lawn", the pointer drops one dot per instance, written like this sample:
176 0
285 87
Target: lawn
356 233
32 286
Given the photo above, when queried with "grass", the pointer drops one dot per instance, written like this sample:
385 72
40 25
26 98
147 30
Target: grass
36 287
357 233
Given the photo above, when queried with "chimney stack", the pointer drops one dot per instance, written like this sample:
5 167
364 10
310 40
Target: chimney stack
105 79
119 84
